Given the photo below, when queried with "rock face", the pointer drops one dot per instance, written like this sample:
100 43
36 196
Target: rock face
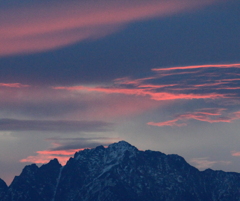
121 173
3 188
34 184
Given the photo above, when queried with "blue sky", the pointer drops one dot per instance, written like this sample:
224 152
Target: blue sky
162 75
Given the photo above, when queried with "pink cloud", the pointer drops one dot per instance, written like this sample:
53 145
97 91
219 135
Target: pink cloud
198 67
235 153
129 81
206 85
55 24
230 80
231 88
210 115
71 104
236 115
204 163
126 96
167 123
191 87
63 148
47 155
145 90
13 85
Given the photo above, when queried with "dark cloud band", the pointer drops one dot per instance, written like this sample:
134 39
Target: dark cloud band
55 126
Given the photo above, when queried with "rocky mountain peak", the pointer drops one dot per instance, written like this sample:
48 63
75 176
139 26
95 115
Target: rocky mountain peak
117 151
122 146
114 152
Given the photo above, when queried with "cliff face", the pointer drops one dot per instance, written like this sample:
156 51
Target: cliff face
34 184
121 173
3 189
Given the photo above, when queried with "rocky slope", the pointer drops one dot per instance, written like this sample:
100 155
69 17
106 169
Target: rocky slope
121 173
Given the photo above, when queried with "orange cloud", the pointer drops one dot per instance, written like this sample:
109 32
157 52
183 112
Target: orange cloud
52 25
41 159
46 155
68 152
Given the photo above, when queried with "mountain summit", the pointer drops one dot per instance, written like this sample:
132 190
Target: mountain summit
121 172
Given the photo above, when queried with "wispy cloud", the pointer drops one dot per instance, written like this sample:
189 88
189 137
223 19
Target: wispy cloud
210 115
64 148
129 96
150 90
213 82
64 144
45 156
35 102
13 85
198 67
193 82
205 162
43 26
54 125
235 153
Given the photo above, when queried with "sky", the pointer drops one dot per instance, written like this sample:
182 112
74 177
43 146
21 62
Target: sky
161 75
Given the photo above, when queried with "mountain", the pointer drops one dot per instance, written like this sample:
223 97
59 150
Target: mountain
121 172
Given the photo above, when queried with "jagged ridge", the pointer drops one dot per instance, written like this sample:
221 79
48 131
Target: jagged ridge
121 173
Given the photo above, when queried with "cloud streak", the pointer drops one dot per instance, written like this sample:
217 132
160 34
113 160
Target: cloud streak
189 82
13 85
204 162
64 148
54 125
235 153
198 67
45 156
214 82
38 103
39 27
210 115
129 96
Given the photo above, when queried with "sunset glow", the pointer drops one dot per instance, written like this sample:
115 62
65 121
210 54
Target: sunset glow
161 75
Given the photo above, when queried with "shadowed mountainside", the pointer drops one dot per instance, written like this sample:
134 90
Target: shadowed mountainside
121 173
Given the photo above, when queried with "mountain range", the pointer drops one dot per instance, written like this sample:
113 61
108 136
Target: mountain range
121 172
